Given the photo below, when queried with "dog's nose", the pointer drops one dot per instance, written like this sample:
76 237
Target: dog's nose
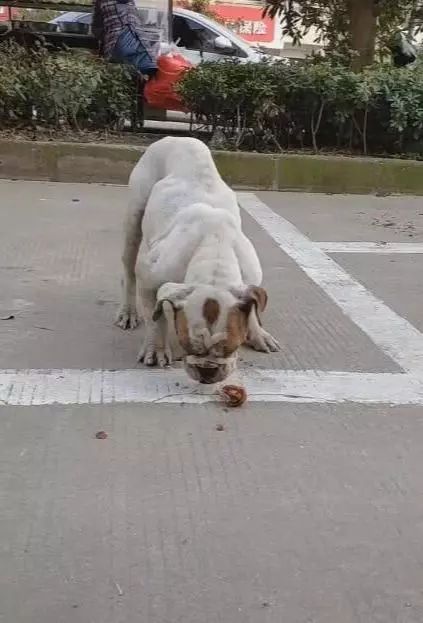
208 375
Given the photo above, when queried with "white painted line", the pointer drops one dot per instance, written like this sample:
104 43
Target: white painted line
371 247
391 333
63 387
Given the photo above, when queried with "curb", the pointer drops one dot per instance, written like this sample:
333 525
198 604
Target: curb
112 164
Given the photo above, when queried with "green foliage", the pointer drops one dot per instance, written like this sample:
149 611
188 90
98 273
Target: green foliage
316 105
200 6
334 25
63 89
38 15
267 107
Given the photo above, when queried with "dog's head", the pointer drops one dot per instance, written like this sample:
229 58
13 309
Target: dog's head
210 325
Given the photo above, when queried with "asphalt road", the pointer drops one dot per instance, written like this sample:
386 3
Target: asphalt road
306 508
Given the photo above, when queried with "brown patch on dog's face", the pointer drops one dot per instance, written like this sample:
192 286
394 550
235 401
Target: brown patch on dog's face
237 328
211 311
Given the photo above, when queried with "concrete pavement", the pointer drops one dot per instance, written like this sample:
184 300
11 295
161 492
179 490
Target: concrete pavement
306 507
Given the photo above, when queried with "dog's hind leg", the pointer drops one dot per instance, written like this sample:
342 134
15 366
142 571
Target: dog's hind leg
141 182
127 317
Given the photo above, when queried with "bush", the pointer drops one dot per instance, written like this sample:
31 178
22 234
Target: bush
315 105
264 107
70 89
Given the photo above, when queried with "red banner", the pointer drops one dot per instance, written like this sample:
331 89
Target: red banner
4 14
247 21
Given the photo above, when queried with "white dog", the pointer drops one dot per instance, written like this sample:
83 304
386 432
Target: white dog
197 275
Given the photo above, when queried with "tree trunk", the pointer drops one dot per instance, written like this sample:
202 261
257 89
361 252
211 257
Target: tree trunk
363 26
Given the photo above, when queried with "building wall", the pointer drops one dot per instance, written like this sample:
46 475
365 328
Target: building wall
4 13
246 18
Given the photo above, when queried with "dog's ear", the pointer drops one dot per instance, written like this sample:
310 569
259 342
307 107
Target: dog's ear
173 293
252 296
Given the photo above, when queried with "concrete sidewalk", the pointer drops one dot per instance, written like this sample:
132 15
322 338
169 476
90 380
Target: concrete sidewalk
306 508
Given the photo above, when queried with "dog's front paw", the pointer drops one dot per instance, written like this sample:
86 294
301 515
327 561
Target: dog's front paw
263 341
151 355
127 317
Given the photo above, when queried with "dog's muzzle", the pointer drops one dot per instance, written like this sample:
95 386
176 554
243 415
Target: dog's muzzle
209 370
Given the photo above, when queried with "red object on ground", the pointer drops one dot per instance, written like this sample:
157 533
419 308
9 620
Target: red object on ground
233 395
159 92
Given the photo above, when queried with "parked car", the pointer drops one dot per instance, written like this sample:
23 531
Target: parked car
198 37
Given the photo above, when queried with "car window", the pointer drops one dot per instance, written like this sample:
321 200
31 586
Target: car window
85 19
194 36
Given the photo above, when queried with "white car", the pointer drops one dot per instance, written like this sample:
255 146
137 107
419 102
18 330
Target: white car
198 37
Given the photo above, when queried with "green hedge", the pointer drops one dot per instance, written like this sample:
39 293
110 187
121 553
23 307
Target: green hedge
77 90
263 107
317 105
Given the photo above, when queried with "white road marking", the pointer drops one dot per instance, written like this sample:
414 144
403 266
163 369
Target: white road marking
394 335
371 247
63 387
